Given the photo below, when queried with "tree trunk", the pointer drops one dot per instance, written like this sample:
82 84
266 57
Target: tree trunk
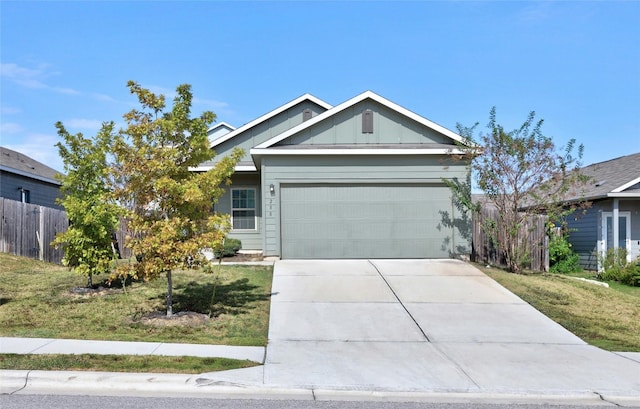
89 280
169 294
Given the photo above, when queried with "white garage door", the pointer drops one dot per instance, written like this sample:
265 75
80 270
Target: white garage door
364 221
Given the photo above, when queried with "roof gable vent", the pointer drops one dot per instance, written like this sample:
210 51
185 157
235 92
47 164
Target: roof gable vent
367 121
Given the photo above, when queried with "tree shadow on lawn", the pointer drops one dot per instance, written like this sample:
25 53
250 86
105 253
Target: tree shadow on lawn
236 297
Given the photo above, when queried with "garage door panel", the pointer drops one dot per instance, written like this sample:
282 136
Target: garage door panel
363 221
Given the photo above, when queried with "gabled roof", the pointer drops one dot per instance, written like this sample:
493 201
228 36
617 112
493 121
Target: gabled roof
219 125
347 104
20 164
269 115
617 177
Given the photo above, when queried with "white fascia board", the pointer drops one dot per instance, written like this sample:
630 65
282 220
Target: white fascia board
356 152
623 194
367 94
238 168
30 175
219 125
626 185
270 115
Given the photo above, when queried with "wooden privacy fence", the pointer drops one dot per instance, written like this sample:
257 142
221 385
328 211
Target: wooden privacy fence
28 230
533 234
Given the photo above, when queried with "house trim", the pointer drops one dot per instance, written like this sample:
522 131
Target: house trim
366 151
238 168
30 175
221 124
623 194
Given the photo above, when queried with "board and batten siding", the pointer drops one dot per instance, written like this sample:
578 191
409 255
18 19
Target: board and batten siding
345 128
264 131
251 240
347 169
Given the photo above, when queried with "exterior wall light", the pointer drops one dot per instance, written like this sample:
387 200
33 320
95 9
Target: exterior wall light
272 189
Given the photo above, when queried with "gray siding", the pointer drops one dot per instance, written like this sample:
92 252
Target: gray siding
389 127
266 130
42 193
278 170
251 240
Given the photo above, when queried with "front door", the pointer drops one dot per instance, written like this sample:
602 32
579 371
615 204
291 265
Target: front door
624 232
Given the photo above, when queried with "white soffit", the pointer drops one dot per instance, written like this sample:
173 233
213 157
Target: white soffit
355 152
238 168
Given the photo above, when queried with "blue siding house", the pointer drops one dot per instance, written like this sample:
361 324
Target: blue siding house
26 180
613 220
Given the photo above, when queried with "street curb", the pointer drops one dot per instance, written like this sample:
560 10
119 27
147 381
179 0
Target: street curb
189 385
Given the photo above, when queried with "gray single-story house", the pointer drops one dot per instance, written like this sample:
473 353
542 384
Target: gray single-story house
26 180
613 220
362 179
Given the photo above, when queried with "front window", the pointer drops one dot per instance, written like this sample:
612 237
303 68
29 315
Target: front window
243 209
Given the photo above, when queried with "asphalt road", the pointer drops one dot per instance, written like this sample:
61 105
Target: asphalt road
101 402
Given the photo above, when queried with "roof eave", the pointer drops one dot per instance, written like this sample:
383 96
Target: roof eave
624 194
30 175
352 151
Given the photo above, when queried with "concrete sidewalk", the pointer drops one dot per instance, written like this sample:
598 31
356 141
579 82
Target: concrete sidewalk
74 346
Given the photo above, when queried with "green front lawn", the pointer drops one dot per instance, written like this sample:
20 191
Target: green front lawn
36 300
605 317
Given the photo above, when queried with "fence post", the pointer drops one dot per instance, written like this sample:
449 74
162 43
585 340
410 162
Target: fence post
40 235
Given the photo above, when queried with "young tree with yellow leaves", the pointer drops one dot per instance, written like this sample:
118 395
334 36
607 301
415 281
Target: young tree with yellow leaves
169 207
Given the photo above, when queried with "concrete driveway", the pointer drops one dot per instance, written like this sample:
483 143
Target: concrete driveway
428 326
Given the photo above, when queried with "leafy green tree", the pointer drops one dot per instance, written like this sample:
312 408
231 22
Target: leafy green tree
92 215
519 172
169 207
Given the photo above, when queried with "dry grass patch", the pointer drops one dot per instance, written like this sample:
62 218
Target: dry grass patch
605 317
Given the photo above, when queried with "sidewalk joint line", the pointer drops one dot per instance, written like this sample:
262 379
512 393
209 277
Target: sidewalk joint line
156 348
51 341
424 334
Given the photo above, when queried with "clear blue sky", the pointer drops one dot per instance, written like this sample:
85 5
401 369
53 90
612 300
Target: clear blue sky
577 64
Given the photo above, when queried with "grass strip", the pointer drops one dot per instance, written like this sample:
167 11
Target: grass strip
120 363
608 318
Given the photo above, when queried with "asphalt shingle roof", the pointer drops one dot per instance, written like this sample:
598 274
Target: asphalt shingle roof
24 164
611 174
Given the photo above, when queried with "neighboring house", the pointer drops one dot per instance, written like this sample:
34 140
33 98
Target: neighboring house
613 220
362 179
27 180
